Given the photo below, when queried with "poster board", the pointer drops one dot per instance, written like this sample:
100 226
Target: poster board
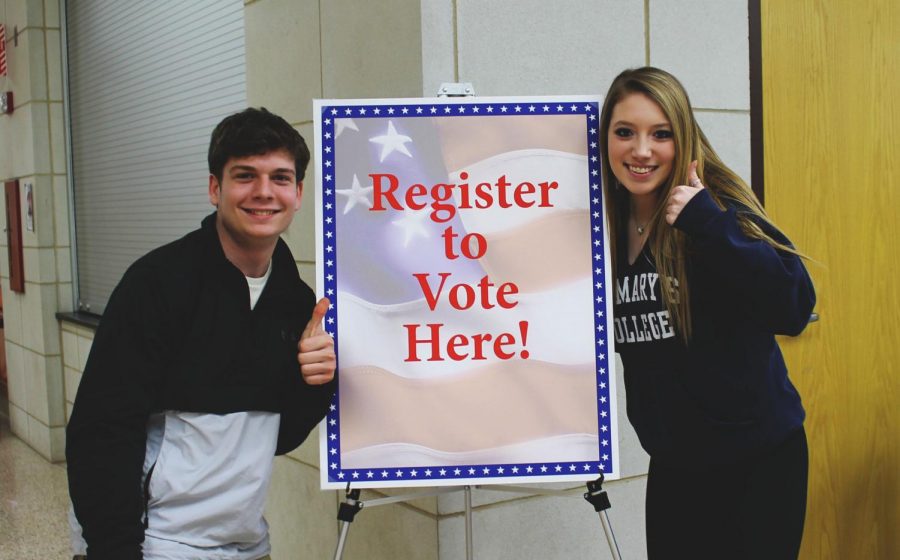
462 243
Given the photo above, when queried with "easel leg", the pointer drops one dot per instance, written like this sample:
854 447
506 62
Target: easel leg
346 513
597 497
468 502
610 538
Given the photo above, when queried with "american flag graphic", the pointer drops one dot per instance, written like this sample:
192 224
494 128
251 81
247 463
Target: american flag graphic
462 245
2 50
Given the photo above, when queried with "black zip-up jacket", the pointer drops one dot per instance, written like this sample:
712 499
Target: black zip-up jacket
178 334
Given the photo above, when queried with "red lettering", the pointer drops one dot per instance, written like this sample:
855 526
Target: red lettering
381 194
434 341
545 195
455 342
502 183
523 188
414 191
473 245
460 346
483 196
468 294
439 195
430 297
502 340
463 296
479 340
507 289
449 236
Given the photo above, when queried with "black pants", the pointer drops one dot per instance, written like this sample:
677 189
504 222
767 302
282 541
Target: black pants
748 511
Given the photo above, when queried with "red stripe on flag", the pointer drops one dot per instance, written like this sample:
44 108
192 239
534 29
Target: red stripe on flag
2 50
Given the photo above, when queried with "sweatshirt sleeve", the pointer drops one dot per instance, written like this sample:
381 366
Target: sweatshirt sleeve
774 285
106 435
303 409
303 405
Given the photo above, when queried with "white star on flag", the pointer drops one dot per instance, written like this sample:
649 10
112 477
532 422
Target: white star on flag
413 223
341 124
392 141
356 193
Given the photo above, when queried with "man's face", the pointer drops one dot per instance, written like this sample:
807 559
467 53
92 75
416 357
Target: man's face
256 200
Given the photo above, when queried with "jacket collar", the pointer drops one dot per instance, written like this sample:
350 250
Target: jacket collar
213 251
284 269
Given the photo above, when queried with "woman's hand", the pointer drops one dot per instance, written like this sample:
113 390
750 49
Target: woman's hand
682 194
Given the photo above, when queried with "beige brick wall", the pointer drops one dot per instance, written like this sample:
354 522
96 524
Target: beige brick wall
32 150
298 50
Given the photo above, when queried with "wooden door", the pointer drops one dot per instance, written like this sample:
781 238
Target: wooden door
831 122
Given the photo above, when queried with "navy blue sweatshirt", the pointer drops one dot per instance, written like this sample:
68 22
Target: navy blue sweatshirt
726 395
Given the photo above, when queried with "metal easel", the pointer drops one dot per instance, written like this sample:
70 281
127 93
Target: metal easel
595 495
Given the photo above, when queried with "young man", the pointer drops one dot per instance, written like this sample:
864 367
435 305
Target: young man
193 382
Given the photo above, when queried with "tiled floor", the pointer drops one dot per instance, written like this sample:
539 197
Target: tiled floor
34 502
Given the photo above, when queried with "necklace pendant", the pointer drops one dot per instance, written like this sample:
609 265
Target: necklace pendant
640 229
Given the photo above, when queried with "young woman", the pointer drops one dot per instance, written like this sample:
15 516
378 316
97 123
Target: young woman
704 282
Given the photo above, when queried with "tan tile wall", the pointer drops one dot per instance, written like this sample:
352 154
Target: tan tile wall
298 50
32 150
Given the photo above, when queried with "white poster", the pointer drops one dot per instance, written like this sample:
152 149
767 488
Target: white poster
462 244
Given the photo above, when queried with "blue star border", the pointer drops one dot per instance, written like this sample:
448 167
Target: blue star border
441 475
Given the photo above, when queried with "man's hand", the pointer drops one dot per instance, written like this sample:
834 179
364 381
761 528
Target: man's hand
682 194
315 351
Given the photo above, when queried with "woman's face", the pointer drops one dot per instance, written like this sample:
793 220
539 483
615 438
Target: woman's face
641 144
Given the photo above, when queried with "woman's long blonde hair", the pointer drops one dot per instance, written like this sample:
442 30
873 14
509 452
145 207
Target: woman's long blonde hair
669 245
